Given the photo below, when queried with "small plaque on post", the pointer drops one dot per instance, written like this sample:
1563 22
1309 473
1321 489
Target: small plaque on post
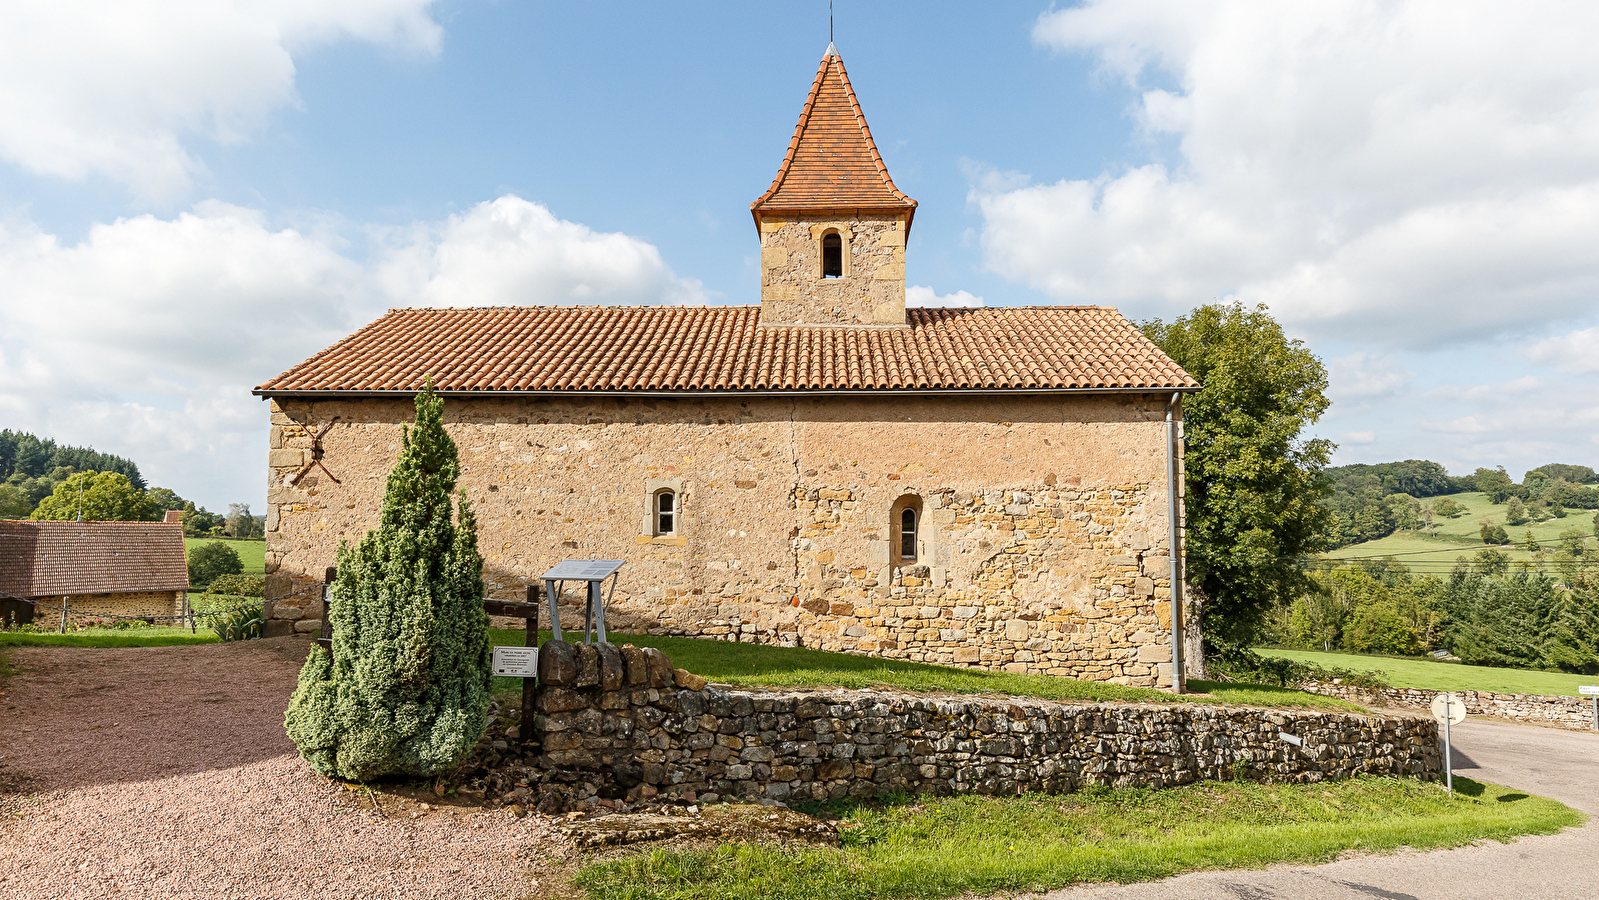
516 662
1588 690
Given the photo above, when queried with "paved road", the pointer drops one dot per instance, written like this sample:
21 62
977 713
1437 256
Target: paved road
1559 764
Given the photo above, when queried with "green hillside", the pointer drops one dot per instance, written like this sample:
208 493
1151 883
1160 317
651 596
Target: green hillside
251 553
1451 539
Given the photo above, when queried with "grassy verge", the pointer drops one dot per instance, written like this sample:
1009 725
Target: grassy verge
756 665
935 848
1432 675
142 637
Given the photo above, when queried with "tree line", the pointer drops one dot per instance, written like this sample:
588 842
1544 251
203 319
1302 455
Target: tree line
46 481
1261 504
1486 612
1368 502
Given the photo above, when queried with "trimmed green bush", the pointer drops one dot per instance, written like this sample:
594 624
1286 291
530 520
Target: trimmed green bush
238 585
405 690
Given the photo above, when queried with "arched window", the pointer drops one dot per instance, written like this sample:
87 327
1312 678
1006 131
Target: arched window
665 512
905 531
832 255
907 535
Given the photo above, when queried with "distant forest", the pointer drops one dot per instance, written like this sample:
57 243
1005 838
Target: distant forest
31 457
1373 501
34 470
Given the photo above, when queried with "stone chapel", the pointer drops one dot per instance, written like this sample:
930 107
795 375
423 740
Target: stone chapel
983 486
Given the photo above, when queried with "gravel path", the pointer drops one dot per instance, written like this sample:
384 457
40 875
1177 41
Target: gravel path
164 772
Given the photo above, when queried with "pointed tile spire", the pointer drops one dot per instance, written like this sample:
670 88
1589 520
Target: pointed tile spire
832 162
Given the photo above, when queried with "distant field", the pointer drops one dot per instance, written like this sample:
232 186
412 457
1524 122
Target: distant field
251 553
1432 675
1458 538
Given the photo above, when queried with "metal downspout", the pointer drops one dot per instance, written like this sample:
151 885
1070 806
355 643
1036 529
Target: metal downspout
1173 548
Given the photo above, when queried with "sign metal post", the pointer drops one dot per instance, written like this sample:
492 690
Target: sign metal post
1452 710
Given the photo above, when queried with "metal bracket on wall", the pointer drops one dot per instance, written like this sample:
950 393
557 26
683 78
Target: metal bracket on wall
316 454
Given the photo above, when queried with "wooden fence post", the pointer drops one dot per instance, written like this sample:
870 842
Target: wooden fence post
524 729
325 637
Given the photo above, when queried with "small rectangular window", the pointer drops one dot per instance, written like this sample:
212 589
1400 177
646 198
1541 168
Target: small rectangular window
907 536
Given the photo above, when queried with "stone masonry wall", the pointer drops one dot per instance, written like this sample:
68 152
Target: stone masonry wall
1574 713
871 290
82 608
1043 545
621 723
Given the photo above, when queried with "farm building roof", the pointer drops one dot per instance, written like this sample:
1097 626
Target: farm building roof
53 559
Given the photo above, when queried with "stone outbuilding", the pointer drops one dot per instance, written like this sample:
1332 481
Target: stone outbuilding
987 487
97 569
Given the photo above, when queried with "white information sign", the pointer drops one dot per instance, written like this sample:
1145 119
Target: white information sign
1588 690
516 662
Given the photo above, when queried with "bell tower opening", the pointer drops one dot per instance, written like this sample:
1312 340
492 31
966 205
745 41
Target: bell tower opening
832 255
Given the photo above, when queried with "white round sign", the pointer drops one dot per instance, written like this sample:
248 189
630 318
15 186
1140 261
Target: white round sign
1448 706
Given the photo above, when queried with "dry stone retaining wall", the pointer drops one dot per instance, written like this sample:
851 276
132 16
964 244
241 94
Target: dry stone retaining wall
1574 713
621 723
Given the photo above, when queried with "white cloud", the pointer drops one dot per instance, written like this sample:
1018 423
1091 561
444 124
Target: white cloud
114 88
513 252
1399 174
1366 376
918 295
1576 352
1357 437
144 338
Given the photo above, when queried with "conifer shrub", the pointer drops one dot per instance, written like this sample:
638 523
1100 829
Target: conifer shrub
405 690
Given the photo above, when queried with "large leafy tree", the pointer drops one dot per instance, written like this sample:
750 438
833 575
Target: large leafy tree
106 497
1254 480
405 690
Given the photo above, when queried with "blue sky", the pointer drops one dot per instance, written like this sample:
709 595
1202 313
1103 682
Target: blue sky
196 195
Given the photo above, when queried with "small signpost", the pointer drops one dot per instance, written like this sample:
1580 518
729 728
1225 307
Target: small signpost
1591 690
1451 710
516 662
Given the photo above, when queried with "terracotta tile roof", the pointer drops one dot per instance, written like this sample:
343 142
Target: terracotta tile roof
53 559
724 348
832 161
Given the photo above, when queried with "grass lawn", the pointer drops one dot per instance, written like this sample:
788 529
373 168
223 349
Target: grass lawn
1459 538
930 848
755 665
251 553
1433 675
141 637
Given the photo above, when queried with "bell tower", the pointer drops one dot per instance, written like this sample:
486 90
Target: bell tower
833 226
